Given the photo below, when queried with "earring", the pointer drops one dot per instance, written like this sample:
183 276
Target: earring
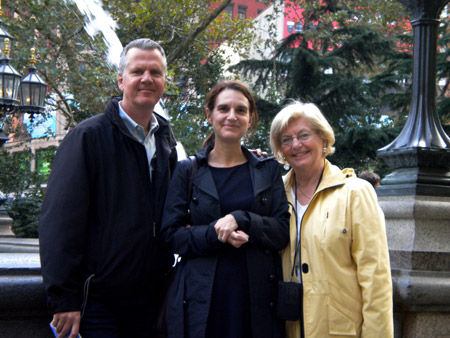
324 149
286 165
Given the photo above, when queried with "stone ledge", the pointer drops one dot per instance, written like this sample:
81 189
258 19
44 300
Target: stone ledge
23 308
23 264
19 245
22 296
417 260
422 291
416 208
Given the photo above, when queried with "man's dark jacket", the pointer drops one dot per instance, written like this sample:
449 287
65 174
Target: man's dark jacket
101 214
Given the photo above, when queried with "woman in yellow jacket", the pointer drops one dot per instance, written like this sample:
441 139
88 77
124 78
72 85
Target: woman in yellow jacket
338 248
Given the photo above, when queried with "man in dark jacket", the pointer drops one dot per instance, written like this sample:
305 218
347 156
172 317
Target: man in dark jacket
99 225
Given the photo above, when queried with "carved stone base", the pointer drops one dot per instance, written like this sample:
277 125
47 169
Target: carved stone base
418 231
5 223
424 181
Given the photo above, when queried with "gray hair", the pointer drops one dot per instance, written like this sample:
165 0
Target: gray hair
143 43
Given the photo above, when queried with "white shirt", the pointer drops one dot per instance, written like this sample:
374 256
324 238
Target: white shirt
138 132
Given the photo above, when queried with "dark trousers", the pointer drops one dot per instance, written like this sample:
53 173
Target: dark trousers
112 321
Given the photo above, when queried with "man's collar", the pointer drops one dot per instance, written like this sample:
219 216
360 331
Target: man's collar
132 125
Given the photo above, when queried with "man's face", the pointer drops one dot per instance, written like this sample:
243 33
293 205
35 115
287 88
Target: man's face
143 81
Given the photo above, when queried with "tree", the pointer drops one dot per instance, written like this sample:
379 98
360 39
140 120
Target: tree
191 33
80 80
352 59
24 192
73 64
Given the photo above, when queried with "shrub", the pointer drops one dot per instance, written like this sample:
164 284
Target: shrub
25 214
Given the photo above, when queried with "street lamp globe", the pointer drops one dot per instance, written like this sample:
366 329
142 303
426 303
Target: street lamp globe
32 90
9 81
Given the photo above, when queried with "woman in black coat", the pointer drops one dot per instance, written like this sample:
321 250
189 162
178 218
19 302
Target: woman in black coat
227 282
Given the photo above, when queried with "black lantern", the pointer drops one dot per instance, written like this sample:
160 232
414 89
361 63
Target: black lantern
32 90
9 82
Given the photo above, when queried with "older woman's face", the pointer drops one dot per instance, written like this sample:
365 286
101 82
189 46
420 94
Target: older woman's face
301 146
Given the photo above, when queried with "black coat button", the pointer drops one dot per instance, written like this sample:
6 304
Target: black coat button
195 200
184 303
305 268
267 252
271 305
271 278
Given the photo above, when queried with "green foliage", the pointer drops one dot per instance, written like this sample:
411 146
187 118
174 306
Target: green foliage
72 63
23 189
443 74
16 174
357 147
354 60
260 139
25 214
194 70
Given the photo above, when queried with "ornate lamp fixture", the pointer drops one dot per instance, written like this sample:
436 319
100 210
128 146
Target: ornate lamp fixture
9 82
31 88
420 155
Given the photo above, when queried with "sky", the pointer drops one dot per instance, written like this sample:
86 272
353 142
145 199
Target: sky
99 20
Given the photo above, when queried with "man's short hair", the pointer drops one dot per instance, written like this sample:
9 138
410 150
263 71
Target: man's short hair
143 43
371 177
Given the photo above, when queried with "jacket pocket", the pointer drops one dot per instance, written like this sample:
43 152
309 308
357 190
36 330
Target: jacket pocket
340 322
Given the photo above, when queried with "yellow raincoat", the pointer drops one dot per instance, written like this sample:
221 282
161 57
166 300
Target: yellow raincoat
345 270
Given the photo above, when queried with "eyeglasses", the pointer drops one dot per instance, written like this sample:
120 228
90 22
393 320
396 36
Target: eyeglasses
286 141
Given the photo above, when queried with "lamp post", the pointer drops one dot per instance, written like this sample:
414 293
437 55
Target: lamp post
415 198
421 153
25 95
17 94
32 89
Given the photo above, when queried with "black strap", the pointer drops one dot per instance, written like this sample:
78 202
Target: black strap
193 160
298 238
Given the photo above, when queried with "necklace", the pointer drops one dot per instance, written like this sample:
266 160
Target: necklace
301 191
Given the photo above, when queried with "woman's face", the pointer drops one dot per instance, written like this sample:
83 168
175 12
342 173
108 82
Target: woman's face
230 117
301 146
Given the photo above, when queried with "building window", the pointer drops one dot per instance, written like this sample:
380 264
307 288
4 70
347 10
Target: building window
229 10
290 26
242 12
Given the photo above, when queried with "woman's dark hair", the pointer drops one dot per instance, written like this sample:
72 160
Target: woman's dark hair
239 87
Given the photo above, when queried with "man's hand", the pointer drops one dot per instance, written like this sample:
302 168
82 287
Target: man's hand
65 322
258 152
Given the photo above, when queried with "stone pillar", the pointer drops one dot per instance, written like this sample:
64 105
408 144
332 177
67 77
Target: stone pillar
418 231
415 197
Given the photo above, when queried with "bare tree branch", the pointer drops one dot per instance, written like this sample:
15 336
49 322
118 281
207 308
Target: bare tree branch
177 52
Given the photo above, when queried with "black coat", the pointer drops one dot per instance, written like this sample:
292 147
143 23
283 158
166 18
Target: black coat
101 214
267 226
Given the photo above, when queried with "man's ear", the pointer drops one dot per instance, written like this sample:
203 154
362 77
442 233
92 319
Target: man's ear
120 81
